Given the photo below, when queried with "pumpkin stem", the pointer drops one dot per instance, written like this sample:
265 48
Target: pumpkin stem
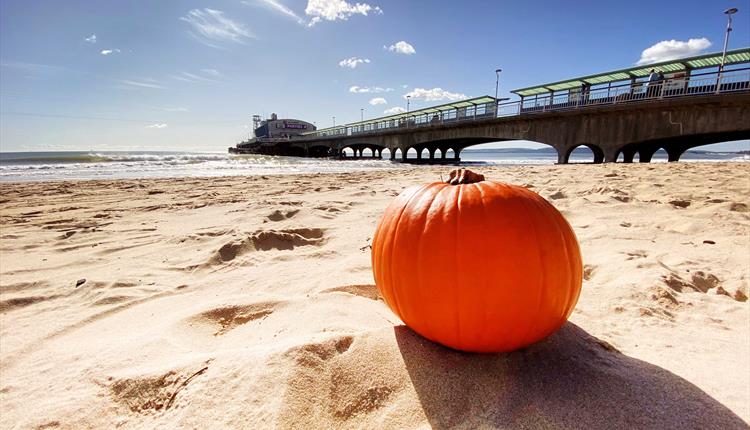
463 176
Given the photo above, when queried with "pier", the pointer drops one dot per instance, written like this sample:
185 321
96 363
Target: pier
617 114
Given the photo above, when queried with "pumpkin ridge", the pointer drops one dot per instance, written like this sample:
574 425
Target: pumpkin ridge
393 247
542 263
457 272
566 245
485 309
428 326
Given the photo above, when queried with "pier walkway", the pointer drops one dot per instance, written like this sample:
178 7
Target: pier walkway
614 114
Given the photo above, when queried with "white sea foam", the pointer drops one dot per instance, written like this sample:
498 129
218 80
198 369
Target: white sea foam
39 166
64 166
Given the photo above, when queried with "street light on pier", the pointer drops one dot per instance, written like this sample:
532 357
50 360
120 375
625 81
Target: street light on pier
407 103
334 121
361 114
729 12
497 81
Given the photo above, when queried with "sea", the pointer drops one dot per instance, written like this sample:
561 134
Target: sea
86 165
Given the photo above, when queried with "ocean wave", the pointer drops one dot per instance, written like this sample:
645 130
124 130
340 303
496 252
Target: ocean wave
96 157
130 165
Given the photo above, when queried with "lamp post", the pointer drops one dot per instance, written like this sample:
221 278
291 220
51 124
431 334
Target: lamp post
362 114
334 121
497 81
497 85
408 99
729 12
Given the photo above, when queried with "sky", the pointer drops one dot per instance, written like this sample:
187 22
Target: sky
189 74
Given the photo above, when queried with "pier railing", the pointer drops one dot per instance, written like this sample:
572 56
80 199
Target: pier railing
730 81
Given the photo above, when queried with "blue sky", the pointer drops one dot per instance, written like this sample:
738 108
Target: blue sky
189 75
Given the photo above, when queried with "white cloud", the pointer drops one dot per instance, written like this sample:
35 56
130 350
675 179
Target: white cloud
210 25
435 94
191 77
91 39
212 72
158 125
365 90
405 86
332 10
378 101
276 7
394 110
672 49
110 51
402 47
353 62
208 75
146 83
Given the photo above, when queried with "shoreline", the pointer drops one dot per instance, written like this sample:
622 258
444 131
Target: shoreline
260 290
391 166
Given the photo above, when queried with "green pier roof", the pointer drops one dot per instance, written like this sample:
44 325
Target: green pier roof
736 56
476 101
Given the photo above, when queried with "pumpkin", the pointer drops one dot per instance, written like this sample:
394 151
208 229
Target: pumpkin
477 265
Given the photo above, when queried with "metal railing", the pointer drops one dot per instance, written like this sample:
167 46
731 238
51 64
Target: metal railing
729 81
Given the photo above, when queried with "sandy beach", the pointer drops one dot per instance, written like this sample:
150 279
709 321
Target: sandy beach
249 302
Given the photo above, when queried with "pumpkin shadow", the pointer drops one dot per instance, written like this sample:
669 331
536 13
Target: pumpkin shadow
571 380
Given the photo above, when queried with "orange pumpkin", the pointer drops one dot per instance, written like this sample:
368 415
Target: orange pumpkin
477 265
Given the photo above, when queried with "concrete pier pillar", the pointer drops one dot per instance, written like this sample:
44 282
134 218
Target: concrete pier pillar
673 154
628 155
645 154
604 157
610 155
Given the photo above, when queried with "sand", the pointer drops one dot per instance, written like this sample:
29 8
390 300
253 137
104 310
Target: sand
249 303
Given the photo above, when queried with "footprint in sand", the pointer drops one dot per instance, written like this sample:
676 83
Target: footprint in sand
269 240
680 203
147 394
705 281
279 215
330 209
224 319
367 291
557 196
700 282
314 354
333 371
21 302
